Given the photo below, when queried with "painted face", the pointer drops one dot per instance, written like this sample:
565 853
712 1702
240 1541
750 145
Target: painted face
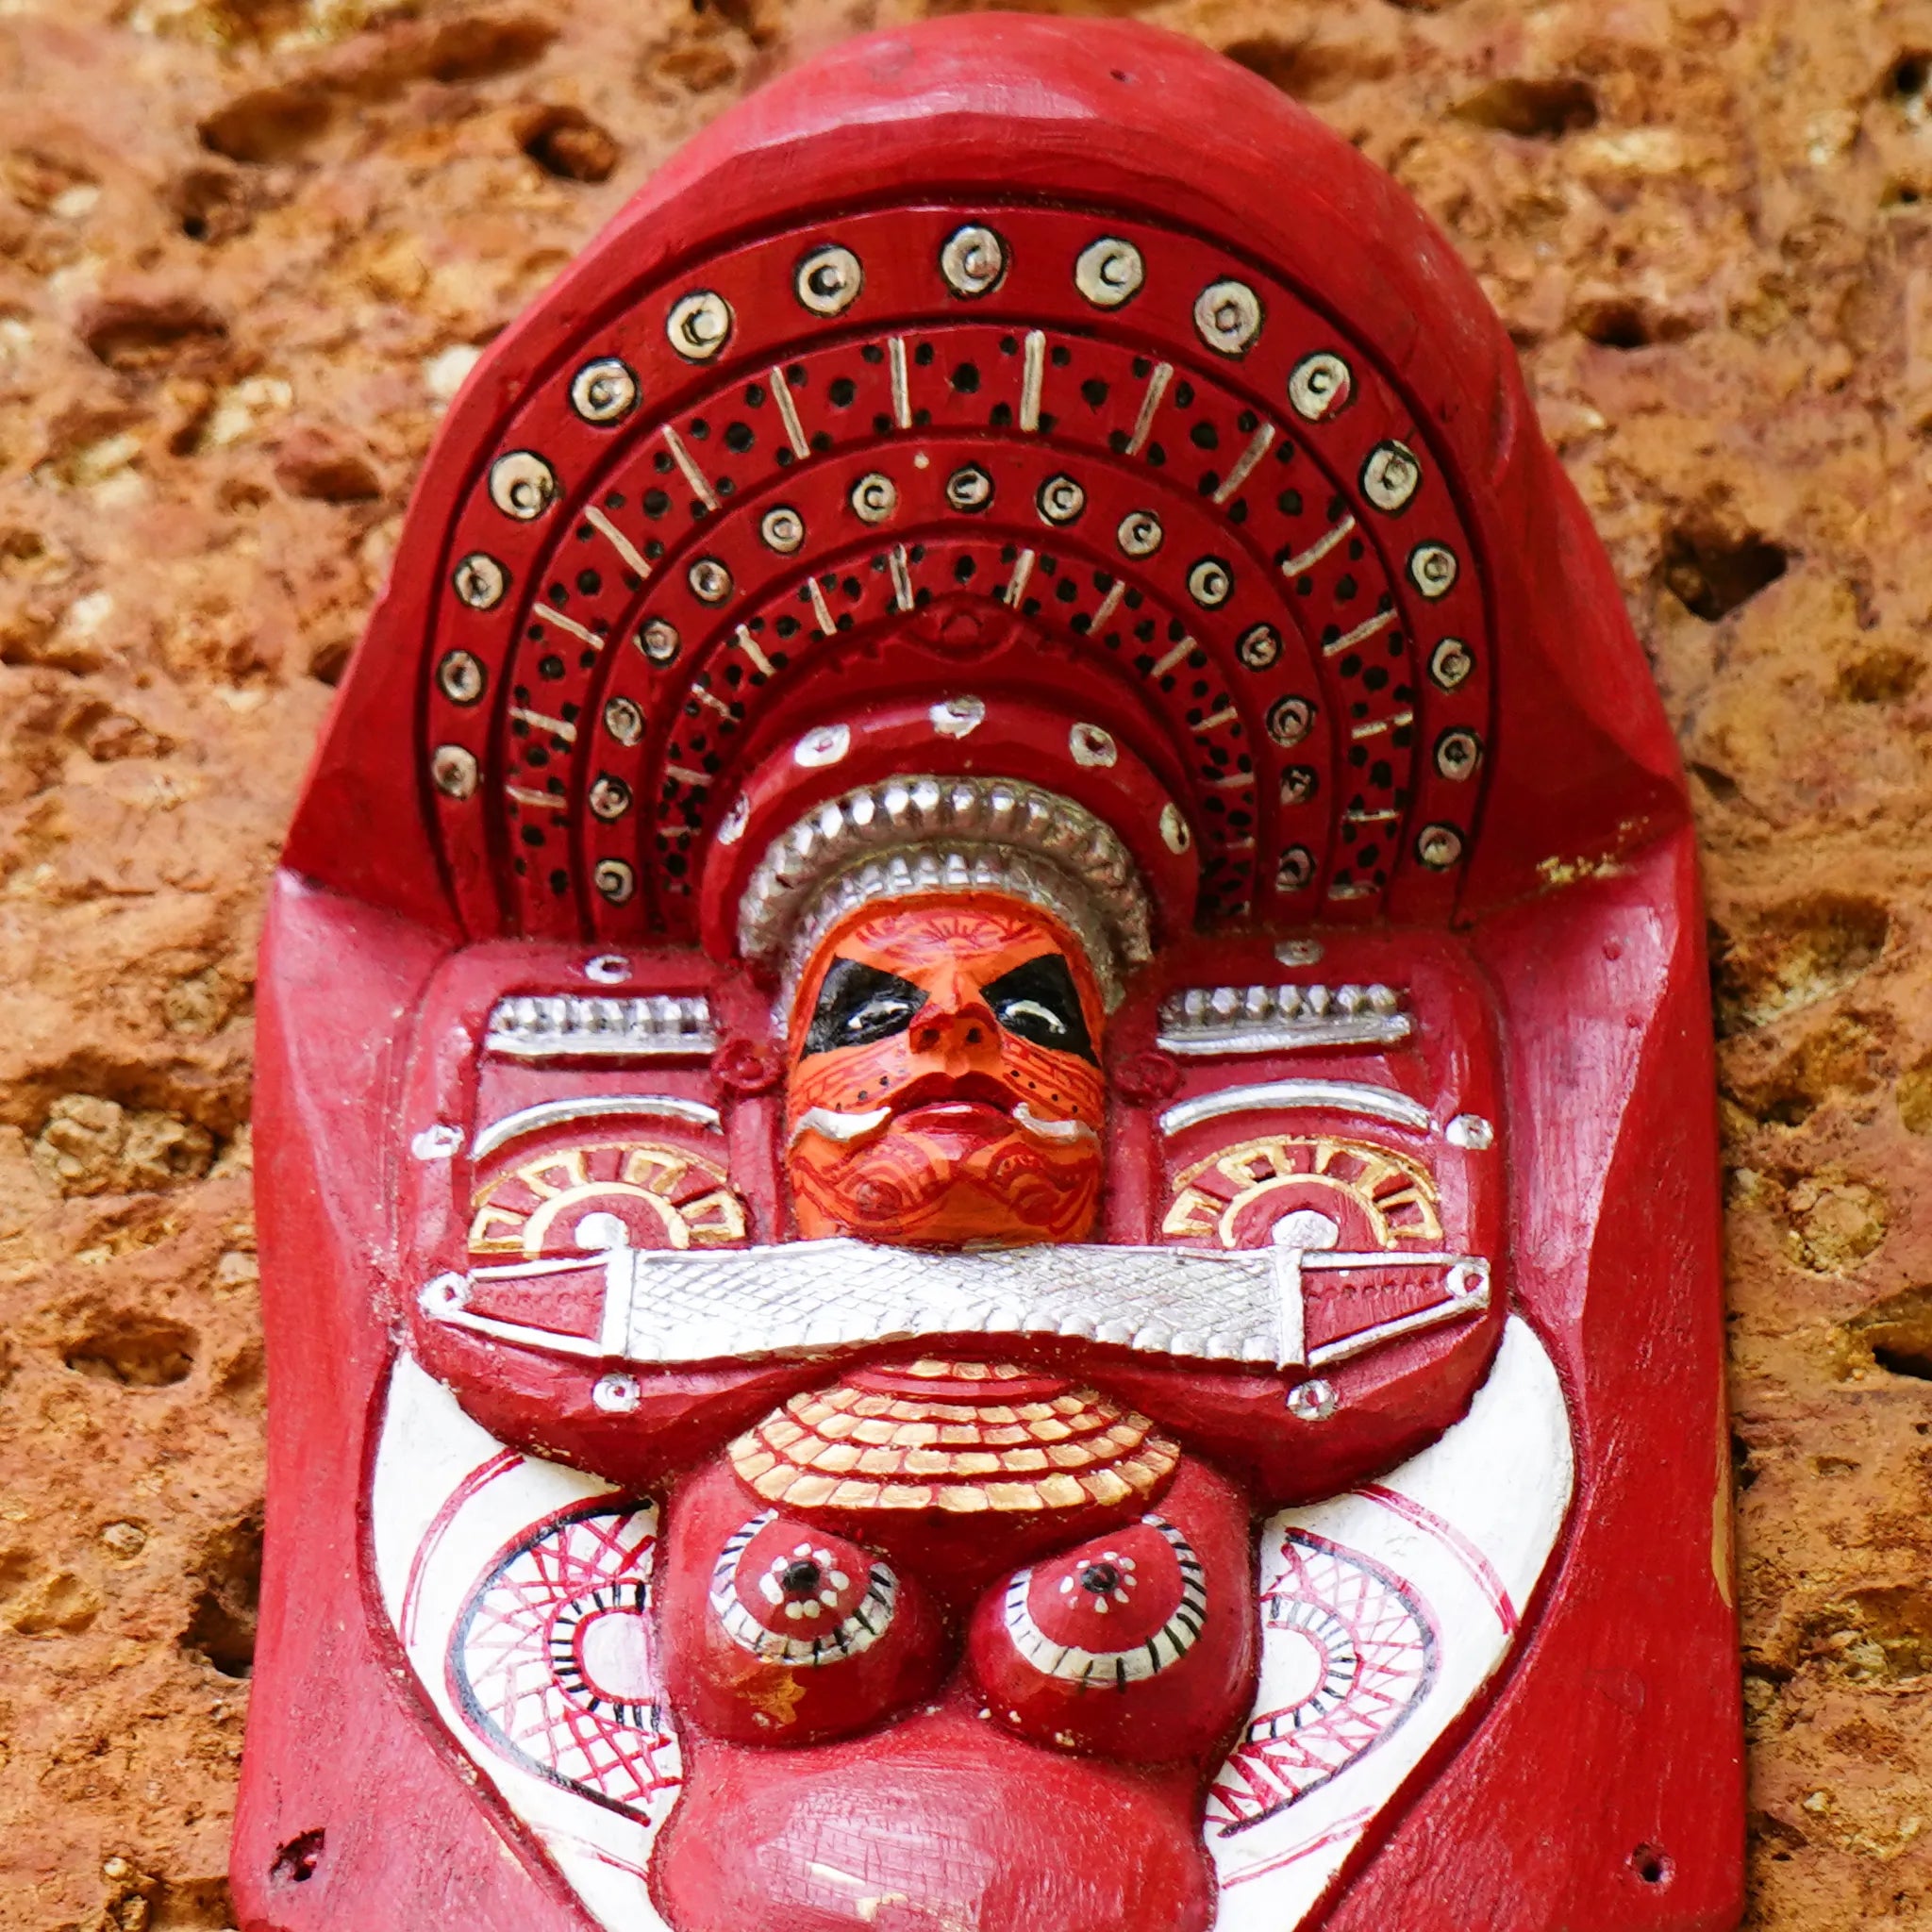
945 1088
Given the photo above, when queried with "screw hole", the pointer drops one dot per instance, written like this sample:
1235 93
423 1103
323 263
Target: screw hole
1650 1865
1122 74
296 1861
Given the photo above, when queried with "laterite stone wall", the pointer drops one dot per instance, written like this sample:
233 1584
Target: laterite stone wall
248 249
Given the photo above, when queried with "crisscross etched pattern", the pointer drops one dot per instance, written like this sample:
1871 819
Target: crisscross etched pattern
1363 1656
552 1660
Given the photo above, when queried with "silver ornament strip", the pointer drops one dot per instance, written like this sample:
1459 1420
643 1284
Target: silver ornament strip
1202 1019
668 1306
545 1026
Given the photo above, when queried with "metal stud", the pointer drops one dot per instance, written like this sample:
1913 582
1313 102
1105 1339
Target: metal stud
957 717
522 485
782 529
660 641
1174 834
454 770
1450 662
1210 583
604 391
1060 499
699 324
1469 1130
1290 720
731 827
969 488
1439 846
1093 746
1140 533
1259 647
1109 272
1293 872
1227 317
710 582
614 879
480 581
1311 1402
623 721
828 280
874 497
617 1394
1432 569
824 746
1458 754
609 798
461 677
973 261
1391 476
1320 385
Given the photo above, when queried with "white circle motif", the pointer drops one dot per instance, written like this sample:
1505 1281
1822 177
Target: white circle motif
1109 272
522 485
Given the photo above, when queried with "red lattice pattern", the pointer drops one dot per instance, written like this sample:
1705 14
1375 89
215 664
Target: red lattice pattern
552 1661
1366 1656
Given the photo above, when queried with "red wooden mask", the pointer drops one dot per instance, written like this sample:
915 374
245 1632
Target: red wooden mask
985 1182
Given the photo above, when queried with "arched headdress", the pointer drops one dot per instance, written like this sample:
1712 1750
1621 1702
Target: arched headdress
982 379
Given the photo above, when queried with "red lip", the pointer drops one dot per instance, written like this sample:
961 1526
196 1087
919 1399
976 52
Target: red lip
937 1090
972 1120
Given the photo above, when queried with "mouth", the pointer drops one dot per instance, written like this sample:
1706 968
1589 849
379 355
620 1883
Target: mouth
972 1107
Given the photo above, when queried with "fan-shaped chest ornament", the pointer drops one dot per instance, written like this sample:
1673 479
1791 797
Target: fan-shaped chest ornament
987 1195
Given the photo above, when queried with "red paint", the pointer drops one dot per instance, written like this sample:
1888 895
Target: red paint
1531 889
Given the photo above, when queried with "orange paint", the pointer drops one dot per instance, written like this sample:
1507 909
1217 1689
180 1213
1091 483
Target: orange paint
989 1135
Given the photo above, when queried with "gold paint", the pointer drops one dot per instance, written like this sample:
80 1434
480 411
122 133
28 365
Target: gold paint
753 1466
1014 1497
963 1499
562 1184
905 1496
808 1491
1052 1430
1061 1493
928 1463
872 1404
834 1458
872 1430
781 1431
855 1496
1104 1486
837 1427
1070 1455
778 1697
915 1434
774 1481
1395 1191
881 1463
1023 1458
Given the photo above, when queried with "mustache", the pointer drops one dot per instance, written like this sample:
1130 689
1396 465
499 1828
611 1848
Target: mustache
848 1129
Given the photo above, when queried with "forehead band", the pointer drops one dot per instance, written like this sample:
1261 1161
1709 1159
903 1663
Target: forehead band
910 837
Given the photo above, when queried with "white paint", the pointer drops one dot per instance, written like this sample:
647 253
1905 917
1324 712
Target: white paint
425 1570
1468 1525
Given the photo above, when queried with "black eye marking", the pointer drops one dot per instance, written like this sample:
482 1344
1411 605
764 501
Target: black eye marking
859 1005
1038 1002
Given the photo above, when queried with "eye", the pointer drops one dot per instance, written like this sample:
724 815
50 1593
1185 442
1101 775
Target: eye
878 1018
1024 1010
1038 1002
859 1005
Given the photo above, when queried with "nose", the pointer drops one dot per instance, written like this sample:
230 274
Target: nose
955 1027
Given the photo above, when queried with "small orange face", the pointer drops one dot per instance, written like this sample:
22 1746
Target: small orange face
945 1087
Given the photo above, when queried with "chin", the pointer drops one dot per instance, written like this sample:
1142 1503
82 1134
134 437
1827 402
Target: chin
1007 1192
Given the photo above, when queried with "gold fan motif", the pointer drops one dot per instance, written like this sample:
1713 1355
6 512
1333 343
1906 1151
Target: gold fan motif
1217 1199
667 1197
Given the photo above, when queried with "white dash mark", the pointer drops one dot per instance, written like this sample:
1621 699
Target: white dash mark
821 610
1373 727
902 578
1032 380
700 486
698 780
1021 571
543 614
1108 604
1364 817
1215 720
1175 659
1359 634
538 722
795 429
536 800
749 646
633 557
712 699
1150 405
902 390
1229 781
1318 549
1351 891
1259 446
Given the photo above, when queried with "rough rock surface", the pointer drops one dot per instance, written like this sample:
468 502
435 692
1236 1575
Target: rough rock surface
248 249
